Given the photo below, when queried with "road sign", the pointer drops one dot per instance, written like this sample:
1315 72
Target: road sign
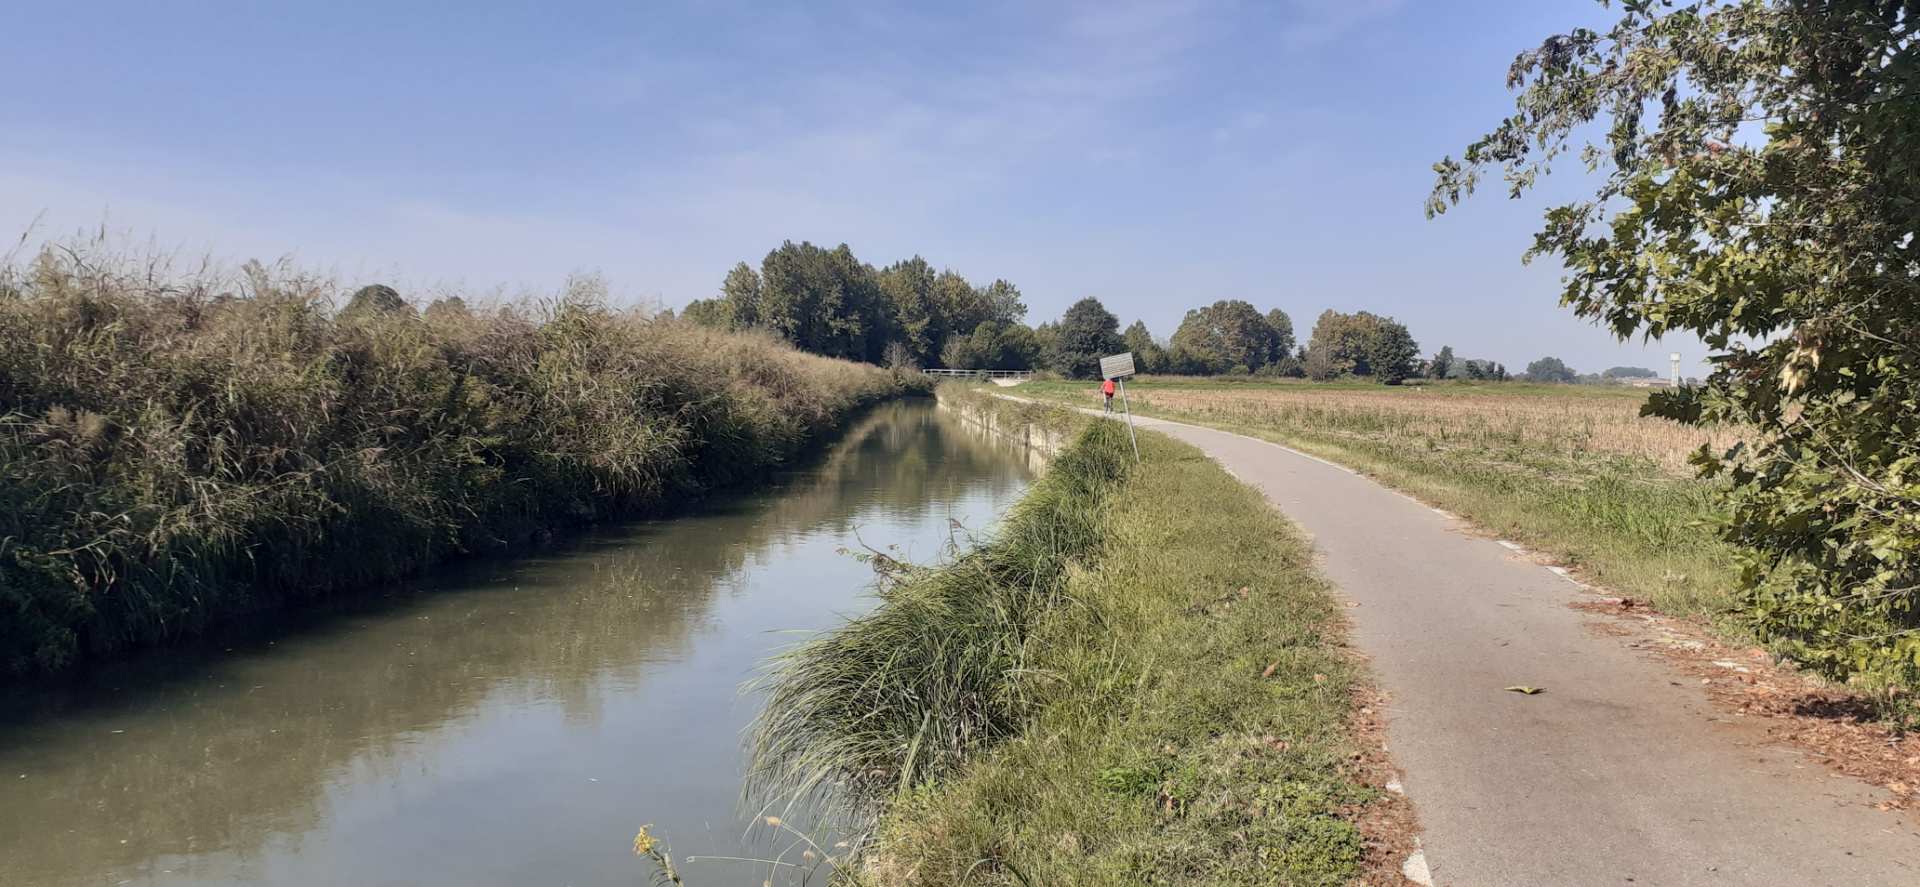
1117 366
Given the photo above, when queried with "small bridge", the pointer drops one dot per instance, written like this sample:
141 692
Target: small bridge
1002 378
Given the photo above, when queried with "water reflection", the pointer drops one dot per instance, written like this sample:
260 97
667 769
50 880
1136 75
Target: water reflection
513 726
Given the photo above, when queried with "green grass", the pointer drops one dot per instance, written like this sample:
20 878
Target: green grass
1567 470
1163 702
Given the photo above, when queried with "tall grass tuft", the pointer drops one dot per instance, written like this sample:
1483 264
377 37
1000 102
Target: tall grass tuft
942 668
176 447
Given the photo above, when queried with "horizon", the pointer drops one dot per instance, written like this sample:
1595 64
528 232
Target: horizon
1157 156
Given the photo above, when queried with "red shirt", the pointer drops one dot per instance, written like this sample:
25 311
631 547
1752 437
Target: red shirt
1106 388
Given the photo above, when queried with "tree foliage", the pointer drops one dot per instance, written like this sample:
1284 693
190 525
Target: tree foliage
1086 333
1441 364
373 301
1628 373
1550 369
1148 356
829 302
1226 336
1360 344
1758 168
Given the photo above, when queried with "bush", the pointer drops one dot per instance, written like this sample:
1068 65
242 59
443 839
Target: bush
178 448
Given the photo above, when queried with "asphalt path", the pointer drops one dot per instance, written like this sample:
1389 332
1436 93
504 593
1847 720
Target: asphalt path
1619 772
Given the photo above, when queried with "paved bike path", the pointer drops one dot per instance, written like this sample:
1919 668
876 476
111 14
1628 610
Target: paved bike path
1621 772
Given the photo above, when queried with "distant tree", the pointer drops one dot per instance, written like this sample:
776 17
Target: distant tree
962 308
450 308
823 301
1003 303
975 351
1046 338
741 293
373 301
991 346
1363 344
897 357
1283 334
716 312
918 321
1086 333
1226 336
1019 348
1391 352
1550 369
1629 373
1148 356
1441 364
1316 362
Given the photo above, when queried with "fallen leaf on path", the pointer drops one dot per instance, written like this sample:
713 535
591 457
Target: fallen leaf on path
1523 688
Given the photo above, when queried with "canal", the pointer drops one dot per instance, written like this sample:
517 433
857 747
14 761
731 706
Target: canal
506 722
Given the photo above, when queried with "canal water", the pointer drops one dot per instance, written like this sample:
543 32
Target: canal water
510 722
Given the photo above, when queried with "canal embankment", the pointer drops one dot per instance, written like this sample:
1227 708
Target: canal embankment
1140 678
178 450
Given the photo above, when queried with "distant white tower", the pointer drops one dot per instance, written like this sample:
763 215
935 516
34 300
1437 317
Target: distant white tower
1675 357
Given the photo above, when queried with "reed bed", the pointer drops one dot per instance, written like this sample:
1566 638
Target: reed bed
180 446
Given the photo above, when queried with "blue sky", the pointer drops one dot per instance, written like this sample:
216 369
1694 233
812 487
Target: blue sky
1158 155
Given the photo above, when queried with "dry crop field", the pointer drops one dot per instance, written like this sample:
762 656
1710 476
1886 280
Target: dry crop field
1568 469
1566 420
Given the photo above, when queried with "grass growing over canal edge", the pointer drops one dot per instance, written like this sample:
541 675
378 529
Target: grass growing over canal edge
1175 711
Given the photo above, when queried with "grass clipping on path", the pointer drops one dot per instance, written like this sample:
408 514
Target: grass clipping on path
1174 713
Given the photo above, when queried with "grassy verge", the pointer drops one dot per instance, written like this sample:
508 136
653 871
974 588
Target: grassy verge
176 449
1569 470
1138 681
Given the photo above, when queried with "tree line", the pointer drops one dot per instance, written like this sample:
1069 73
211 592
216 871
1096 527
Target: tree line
905 314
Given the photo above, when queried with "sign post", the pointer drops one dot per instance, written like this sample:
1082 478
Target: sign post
1119 367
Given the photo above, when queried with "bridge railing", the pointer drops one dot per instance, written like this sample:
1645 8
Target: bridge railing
981 374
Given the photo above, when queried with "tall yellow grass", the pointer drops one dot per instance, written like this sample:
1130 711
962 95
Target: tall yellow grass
1573 424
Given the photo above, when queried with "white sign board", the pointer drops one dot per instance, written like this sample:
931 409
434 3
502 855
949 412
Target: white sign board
1117 366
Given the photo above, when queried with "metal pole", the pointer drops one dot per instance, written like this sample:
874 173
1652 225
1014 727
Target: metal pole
1130 434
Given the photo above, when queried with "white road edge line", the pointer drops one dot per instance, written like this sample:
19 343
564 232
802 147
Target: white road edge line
1511 546
1563 573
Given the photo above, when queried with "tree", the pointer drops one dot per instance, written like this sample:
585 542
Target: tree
448 309
374 301
991 346
1317 363
716 312
1363 344
1003 303
740 291
1283 334
1550 369
1629 373
1441 364
1148 356
823 301
1086 333
1758 173
918 322
1391 352
1226 336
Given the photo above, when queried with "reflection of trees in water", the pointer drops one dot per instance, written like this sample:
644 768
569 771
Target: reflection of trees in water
220 762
